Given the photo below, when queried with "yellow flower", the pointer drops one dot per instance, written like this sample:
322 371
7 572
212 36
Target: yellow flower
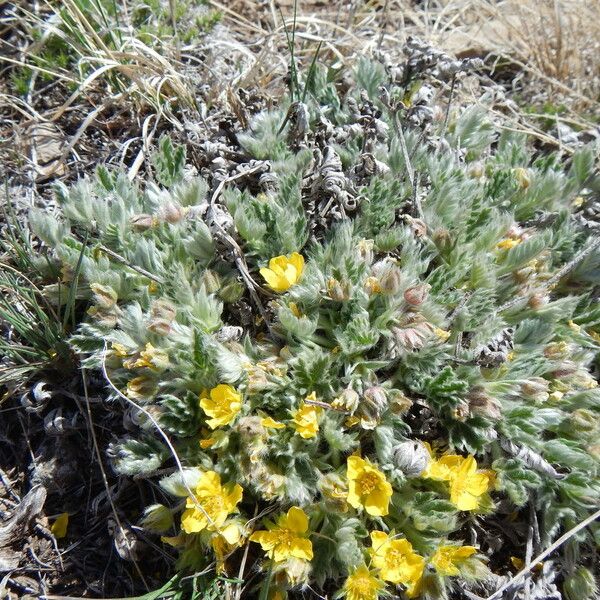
351 421
335 491
306 419
271 423
283 271
225 542
119 350
442 334
207 443
444 468
223 405
372 286
368 487
519 563
212 505
507 244
59 527
397 561
175 541
576 328
141 388
556 396
286 539
362 585
295 310
152 358
447 559
467 485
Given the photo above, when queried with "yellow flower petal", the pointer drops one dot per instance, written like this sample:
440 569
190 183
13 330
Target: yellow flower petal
231 533
297 261
59 527
443 469
306 420
467 485
507 244
296 520
270 423
447 559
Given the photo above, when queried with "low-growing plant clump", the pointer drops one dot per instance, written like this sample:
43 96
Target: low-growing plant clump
357 351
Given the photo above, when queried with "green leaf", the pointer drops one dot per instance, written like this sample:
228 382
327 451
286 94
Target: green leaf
515 479
168 161
582 164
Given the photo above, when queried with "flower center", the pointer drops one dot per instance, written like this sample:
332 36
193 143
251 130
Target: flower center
212 505
368 482
285 537
362 586
394 557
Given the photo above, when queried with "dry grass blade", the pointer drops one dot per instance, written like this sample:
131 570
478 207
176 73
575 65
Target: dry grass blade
498 594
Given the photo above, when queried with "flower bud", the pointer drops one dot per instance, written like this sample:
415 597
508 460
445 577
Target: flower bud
171 212
372 286
411 457
523 177
556 350
583 420
535 388
480 403
441 238
348 401
338 291
399 403
250 427
390 281
157 518
564 369
141 388
162 315
163 309
142 222
160 326
365 250
418 226
461 412
104 296
538 300
374 402
232 291
417 294
475 170
211 281
292 572
105 317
